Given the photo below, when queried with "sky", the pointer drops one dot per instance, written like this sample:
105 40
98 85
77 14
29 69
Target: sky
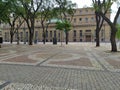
82 3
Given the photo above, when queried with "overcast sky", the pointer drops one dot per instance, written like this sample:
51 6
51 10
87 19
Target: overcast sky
82 3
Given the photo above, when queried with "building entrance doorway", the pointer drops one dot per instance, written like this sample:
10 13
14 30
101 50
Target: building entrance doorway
88 38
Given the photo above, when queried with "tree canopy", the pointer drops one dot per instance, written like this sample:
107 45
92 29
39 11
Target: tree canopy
29 10
101 7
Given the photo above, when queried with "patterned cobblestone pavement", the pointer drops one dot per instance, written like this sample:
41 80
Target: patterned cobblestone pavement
79 66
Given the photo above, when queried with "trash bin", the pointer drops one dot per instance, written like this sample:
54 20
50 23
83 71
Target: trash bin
54 40
1 40
35 41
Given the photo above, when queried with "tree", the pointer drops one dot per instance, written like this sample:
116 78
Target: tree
46 13
8 15
29 12
4 6
67 28
63 26
99 19
15 23
106 4
60 26
65 8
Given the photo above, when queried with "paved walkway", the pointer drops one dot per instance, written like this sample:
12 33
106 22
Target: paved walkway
77 66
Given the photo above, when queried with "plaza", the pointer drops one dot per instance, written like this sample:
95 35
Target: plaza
76 66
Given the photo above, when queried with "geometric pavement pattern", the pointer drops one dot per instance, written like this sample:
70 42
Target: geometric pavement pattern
52 67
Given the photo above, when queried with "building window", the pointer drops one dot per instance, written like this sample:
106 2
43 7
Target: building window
27 36
46 33
68 19
50 40
74 40
58 40
94 33
92 18
80 40
80 11
86 10
50 33
102 33
21 36
95 39
86 19
37 21
74 19
88 30
80 33
15 37
102 39
74 33
80 19
5 36
36 35
74 11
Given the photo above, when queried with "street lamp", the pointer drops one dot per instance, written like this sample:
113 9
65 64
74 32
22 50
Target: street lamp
24 34
17 36
104 34
1 38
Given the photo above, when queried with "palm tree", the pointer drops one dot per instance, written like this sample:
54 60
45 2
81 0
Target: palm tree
67 27
60 26
64 26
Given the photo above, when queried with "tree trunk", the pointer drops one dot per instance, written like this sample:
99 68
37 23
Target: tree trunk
44 37
17 37
113 32
66 37
31 31
31 39
113 42
18 40
61 38
31 35
11 35
97 39
11 39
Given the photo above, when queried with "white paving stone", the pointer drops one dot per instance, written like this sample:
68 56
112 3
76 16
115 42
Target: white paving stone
2 82
21 86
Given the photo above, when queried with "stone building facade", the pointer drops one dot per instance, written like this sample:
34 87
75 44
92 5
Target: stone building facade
83 29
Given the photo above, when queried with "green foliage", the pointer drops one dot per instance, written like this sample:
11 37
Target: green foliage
65 25
4 11
59 26
104 5
7 8
65 7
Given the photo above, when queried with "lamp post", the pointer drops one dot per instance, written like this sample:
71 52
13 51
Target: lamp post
1 38
24 34
17 36
104 34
